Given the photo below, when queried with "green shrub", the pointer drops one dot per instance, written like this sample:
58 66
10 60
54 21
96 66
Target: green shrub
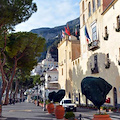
69 115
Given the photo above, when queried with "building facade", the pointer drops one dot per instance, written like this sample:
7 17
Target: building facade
68 50
99 50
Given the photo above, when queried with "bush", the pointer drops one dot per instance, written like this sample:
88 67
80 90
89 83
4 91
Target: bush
70 115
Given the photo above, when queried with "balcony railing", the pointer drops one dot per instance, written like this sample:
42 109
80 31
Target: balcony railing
106 37
107 65
118 29
94 70
93 45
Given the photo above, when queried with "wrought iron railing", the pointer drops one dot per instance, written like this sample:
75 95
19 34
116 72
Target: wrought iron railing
93 45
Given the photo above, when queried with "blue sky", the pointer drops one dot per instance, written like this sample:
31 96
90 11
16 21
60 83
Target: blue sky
51 13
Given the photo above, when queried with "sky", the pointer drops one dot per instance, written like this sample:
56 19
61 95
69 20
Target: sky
51 13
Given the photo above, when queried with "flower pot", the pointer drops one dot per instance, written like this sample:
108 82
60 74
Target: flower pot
101 117
50 108
59 112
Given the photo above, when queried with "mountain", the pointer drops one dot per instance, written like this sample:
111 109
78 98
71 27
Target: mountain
52 36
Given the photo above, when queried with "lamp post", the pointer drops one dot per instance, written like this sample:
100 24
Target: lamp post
37 95
43 81
49 78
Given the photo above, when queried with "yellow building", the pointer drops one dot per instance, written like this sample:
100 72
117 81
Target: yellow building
68 50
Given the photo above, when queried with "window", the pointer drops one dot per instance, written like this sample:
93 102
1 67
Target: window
98 3
118 21
94 33
107 61
89 8
95 61
62 71
106 32
69 55
119 53
83 6
83 19
93 5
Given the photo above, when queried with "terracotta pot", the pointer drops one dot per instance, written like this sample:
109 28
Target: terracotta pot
101 117
50 108
59 112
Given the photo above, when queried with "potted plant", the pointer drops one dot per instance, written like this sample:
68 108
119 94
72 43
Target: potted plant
95 89
59 109
50 105
69 116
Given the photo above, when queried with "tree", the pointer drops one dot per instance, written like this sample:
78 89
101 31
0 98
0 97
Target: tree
15 12
95 89
36 79
22 51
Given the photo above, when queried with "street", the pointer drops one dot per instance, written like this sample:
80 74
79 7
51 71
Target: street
28 111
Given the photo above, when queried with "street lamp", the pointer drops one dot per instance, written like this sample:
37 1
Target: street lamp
43 81
49 78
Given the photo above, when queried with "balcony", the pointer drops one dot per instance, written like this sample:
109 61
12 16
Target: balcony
93 45
107 65
106 37
94 70
118 29
118 62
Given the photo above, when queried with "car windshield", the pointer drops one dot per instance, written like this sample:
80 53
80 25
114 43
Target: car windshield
67 101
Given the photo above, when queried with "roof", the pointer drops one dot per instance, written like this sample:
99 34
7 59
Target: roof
109 6
53 69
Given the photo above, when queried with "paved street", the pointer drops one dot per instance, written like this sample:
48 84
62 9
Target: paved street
28 111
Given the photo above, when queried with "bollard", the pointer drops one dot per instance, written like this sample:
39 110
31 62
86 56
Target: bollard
80 116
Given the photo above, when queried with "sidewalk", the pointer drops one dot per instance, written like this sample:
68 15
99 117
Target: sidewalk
25 111
28 111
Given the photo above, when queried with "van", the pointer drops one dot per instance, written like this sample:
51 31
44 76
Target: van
68 105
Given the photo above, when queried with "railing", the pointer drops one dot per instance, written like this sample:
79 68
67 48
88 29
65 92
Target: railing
94 70
107 65
106 37
118 29
93 45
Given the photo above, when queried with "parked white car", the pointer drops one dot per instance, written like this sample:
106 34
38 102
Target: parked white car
68 105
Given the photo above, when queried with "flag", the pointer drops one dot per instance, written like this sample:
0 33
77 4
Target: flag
87 35
67 30
75 30
63 34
